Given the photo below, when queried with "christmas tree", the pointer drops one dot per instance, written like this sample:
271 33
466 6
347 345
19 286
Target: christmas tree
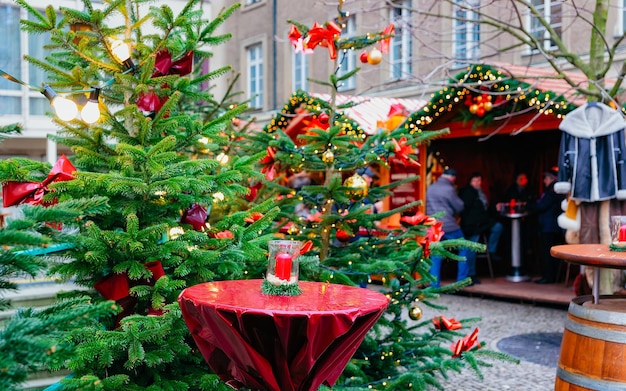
147 140
151 139
32 340
316 166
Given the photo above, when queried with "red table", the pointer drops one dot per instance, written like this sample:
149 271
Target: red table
279 343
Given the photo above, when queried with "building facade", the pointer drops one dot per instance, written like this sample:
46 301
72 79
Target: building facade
433 41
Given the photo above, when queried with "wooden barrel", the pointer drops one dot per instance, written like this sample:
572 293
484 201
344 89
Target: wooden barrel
593 350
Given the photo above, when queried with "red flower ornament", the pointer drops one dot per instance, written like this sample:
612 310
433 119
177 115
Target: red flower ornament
323 36
268 163
224 235
403 151
464 344
442 323
255 216
384 44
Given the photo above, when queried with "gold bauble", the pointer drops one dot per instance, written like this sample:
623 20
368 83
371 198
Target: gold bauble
374 57
488 106
328 156
358 186
473 108
415 312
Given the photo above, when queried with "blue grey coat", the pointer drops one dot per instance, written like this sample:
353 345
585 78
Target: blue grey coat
441 196
591 158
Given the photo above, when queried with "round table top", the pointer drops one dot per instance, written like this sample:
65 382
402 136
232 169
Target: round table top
516 215
316 297
598 255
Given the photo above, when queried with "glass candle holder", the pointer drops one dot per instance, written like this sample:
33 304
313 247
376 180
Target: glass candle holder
283 266
618 230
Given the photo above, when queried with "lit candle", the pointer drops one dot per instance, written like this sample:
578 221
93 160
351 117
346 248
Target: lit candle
512 205
622 233
283 266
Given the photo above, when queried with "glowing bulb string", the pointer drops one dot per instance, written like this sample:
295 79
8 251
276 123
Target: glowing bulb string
69 112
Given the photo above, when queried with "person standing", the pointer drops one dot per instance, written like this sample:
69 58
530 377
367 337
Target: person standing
441 196
520 191
548 209
475 220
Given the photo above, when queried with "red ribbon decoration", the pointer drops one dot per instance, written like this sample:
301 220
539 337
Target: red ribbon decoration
149 102
224 235
384 44
464 344
165 66
306 247
254 216
323 36
14 193
418 218
402 152
442 323
434 234
196 216
268 164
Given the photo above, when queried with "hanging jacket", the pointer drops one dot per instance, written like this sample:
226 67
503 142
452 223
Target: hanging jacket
591 157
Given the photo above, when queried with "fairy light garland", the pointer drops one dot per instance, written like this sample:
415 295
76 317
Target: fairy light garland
513 96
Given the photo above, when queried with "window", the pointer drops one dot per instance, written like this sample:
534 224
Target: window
347 58
16 99
466 33
623 15
255 75
300 71
551 12
401 44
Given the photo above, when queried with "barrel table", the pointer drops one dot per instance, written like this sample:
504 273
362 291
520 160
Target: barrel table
593 349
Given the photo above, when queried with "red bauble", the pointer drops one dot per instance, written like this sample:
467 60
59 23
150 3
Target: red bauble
363 57
323 118
343 236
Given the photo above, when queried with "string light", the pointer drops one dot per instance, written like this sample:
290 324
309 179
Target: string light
121 52
91 112
64 108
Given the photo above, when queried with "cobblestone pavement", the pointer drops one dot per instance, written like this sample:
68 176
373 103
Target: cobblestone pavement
500 321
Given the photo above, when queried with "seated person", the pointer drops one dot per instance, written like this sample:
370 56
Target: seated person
476 219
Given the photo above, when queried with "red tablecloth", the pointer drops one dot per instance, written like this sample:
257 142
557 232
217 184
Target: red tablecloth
279 343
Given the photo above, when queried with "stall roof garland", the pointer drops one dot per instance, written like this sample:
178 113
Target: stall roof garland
315 106
506 94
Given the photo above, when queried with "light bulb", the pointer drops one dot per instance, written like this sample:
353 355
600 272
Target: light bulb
91 112
222 158
64 108
121 52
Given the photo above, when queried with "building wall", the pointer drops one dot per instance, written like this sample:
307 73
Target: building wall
433 62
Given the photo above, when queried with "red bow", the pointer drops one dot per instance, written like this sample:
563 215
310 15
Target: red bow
195 216
254 216
14 193
165 66
464 344
306 247
402 152
384 44
323 36
268 164
418 218
149 102
434 234
224 235
442 323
